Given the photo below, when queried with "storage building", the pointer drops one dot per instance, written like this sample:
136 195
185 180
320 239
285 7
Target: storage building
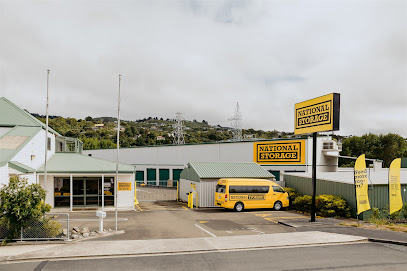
205 176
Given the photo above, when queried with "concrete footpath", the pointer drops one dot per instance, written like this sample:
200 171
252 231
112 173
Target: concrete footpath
158 246
332 225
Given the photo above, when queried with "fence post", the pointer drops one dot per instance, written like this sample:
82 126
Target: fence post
68 222
21 236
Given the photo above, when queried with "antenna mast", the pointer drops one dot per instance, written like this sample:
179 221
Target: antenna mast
178 130
236 123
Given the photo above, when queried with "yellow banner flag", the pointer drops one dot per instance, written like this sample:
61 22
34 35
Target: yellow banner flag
361 185
395 200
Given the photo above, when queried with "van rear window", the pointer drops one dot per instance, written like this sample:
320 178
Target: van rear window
238 189
220 188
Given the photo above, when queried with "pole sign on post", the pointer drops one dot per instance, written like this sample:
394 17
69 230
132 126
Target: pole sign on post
317 115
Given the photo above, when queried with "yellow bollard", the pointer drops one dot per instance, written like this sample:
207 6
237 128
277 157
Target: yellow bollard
177 191
135 195
192 200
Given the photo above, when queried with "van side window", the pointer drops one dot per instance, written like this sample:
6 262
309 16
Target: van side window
278 189
248 189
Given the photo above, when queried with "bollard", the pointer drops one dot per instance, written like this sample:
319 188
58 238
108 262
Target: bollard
101 215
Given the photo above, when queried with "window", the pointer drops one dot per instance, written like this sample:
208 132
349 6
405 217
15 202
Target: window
220 188
278 189
248 189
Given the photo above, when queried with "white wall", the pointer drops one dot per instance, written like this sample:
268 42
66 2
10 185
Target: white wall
125 199
49 199
4 178
324 163
176 157
31 178
184 188
35 147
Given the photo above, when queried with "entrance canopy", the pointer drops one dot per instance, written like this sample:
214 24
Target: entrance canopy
78 163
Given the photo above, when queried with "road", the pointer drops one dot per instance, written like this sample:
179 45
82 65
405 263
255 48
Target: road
361 256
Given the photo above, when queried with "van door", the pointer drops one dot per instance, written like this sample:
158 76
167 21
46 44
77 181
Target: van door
220 195
278 194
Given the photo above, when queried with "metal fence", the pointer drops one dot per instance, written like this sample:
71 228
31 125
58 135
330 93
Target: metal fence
52 226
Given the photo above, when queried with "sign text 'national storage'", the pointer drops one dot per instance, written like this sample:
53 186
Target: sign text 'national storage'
280 152
317 115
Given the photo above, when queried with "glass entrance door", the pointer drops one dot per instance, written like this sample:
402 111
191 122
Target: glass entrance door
86 191
92 192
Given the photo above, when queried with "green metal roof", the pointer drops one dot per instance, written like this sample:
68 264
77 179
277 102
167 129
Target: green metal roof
20 167
64 162
217 170
16 134
12 115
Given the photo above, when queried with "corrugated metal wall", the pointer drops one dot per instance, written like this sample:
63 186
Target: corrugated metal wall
378 195
207 192
184 188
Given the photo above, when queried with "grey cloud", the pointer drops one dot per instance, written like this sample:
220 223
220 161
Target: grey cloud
201 57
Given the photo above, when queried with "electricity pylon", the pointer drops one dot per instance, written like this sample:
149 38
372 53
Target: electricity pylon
236 123
179 130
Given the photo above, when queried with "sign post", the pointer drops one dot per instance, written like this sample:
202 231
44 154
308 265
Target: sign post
317 115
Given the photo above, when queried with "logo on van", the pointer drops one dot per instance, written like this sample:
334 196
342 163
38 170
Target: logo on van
247 197
280 152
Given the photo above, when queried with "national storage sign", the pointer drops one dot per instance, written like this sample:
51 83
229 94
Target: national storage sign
317 115
287 152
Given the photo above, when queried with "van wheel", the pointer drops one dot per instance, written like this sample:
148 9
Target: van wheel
278 205
239 207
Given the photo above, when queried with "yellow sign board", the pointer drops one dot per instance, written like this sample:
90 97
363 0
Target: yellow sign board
361 185
317 115
283 152
124 186
395 200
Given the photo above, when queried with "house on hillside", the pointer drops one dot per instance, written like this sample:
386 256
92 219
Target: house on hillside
73 180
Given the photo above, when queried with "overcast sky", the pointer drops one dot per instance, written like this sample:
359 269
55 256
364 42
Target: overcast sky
202 57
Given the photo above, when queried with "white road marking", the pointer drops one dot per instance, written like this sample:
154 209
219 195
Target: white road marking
208 232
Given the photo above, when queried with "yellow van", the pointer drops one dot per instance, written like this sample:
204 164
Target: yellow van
242 194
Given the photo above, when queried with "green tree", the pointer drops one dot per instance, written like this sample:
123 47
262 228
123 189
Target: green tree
383 147
20 203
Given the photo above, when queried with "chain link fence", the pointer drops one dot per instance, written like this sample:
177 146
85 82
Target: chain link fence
52 226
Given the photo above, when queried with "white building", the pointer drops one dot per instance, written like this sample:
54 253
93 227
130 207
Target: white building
157 164
73 179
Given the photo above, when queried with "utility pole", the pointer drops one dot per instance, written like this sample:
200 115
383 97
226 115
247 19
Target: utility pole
46 135
117 156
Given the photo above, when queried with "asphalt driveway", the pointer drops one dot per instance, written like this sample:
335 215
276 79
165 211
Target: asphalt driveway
169 219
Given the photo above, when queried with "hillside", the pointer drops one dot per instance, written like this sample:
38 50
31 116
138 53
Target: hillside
96 133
